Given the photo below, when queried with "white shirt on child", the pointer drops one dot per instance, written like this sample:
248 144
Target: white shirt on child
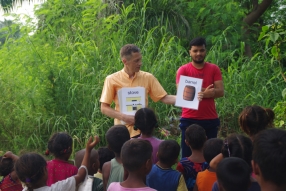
67 184
115 186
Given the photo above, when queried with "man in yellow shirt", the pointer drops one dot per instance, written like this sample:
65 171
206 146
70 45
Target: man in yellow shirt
131 76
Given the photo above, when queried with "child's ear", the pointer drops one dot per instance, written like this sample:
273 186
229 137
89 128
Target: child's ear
187 143
255 168
94 166
148 166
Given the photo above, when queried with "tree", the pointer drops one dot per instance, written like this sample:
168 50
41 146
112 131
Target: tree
255 13
8 5
8 29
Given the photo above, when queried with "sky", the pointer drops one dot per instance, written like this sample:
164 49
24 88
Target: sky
25 10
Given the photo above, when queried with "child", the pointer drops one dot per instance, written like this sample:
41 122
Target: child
31 170
162 177
10 181
240 146
269 159
60 145
113 171
105 155
136 158
146 122
190 166
207 178
254 119
233 174
92 168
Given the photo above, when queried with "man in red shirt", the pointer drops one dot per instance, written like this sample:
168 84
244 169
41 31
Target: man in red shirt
212 87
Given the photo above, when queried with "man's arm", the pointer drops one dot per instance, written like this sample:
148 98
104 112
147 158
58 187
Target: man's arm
169 99
110 112
213 91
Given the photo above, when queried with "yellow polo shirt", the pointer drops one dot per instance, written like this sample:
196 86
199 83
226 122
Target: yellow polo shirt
121 79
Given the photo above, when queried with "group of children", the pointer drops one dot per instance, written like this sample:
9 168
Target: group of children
237 163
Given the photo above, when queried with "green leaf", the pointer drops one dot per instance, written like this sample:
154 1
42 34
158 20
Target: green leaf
274 36
281 123
265 28
284 93
274 51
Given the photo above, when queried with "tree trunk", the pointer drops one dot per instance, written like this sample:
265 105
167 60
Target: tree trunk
251 18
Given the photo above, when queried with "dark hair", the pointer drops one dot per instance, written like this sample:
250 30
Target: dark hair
212 148
116 136
128 49
233 174
105 155
199 41
135 154
79 155
30 168
145 121
254 119
6 166
195 136
168 152
60 144
269 152
236 145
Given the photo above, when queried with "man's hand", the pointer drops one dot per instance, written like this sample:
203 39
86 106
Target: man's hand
128 119
207 93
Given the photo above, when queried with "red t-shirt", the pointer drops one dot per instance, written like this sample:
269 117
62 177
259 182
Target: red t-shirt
8 184
209 73
59 170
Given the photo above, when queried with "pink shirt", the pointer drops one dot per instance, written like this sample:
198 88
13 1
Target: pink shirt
116 186
155 142
59 170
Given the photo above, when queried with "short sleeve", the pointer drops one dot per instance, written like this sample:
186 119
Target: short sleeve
113 186
182 184
180 71
215 187
67 184
180 167
108 91
217 74
156 92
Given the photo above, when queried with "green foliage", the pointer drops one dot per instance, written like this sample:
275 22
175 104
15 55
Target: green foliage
275 38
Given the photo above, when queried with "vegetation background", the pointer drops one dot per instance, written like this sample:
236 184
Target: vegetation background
51 74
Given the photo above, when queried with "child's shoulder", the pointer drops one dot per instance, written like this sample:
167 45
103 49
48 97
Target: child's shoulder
118 187
186 162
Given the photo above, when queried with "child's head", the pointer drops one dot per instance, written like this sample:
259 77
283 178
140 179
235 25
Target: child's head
94 161
254 119
136 156
236 145
168 152
233 174
31 169
145 121
212 148
116 136
60 145
105 155
195 137
6 166
269 157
